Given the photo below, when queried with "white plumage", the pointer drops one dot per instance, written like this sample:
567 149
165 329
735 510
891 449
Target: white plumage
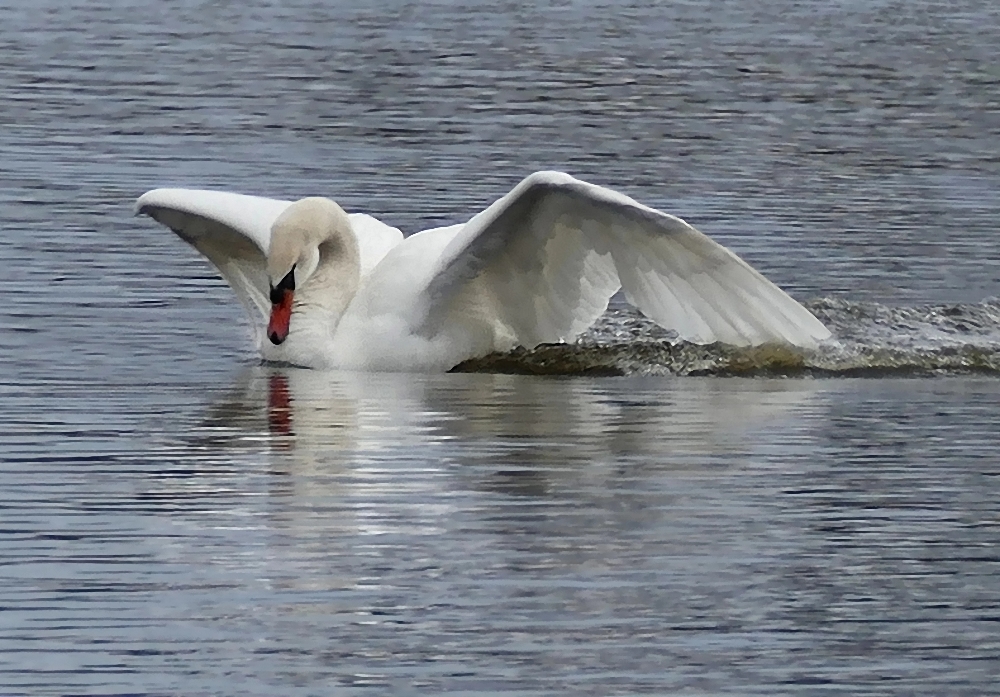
537 266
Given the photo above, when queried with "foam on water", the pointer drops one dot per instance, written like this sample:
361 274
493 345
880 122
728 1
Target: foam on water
870 339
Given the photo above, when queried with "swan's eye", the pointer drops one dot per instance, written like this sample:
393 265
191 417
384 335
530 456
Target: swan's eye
286 284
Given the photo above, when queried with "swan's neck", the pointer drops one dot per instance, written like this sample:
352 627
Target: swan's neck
335 282
321 301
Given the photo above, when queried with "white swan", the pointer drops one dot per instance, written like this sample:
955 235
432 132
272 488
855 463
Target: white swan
537 266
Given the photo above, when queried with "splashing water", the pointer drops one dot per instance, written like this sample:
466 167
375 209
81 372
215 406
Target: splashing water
870 339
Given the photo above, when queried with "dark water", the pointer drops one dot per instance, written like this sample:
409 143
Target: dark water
176 520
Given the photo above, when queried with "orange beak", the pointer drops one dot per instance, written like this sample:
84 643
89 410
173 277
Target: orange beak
281 317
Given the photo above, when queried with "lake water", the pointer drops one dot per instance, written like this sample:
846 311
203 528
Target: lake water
178 520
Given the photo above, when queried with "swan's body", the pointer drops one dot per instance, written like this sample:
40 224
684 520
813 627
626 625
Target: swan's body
537 266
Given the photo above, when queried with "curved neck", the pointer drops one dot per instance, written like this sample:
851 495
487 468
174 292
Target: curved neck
330 288
335 281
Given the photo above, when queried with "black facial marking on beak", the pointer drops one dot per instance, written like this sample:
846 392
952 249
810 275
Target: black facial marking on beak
287 283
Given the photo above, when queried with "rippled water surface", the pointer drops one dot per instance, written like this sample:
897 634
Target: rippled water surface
177 520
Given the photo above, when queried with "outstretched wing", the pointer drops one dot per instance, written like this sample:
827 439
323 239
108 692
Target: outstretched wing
233 231
546 259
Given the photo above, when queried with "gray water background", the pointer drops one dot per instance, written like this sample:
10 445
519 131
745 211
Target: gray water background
177 520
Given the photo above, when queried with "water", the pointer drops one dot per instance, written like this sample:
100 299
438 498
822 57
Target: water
179 520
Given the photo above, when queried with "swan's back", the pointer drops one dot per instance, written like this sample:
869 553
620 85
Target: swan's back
375 239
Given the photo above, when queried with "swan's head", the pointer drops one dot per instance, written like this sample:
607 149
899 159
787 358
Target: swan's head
294 254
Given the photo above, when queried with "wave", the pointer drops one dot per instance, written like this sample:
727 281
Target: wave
870 339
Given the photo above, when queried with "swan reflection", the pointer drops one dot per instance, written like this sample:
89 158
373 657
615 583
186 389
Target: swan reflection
321 422
361 467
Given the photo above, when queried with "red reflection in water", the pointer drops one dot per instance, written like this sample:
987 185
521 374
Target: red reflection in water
279 406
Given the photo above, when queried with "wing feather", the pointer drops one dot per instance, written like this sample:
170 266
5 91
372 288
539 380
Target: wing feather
233 231
553 251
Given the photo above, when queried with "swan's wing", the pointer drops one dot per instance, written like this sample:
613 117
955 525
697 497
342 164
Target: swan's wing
548 257
233 231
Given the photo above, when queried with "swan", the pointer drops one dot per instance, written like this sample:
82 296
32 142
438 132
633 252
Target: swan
328 289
